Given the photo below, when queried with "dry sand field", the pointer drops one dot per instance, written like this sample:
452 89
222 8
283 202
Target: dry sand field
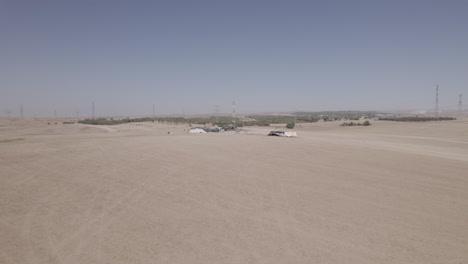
389 193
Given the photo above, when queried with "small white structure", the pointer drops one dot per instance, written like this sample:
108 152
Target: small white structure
196 131
290 134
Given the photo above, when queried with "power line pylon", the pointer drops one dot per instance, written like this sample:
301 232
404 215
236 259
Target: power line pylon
217 113
436 109
233 112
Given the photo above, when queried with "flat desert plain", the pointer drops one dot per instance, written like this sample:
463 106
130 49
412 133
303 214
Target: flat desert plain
132 193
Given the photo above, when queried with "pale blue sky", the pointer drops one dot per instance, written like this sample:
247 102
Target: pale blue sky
265 55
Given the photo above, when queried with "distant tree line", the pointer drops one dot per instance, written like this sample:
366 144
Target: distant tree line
170 120
416 118
251 120
266 120
366 123
334 115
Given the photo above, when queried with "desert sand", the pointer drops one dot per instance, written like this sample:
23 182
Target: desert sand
132 193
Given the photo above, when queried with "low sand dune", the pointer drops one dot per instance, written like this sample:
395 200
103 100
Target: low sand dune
132 193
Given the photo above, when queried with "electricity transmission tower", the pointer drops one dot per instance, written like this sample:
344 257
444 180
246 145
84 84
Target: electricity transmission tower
154 111
8 112
21 111
436 109
217 113
92 109
233 112
460 105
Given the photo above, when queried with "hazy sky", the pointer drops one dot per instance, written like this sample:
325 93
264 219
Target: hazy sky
266 55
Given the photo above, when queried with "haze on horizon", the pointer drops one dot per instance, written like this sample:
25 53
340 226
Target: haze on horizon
266 55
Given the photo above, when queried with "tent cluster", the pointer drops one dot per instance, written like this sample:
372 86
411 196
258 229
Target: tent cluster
198 130
203 130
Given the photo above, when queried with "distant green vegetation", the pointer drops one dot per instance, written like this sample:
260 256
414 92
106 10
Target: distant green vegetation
221 121
111 121
308 119
266 120
416 118
334 115
366 123
257 120
251 120
290 125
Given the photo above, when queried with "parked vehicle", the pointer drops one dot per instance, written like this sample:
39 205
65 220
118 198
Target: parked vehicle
283 133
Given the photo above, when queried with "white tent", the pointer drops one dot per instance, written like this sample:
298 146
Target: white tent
196 131
290 134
